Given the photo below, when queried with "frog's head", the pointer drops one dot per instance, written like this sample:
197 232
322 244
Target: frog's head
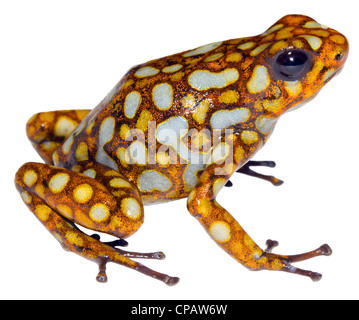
292 61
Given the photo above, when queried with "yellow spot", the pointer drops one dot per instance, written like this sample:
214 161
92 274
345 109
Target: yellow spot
58 182
131 208
90 126
120 183
49 146
204 79
39 190
277 46
26 197
239 154
90 173
55 158
328 74
313 41
218 185
314 24
320 33
64 126
82 152
144 118
272 29
268 37
259 49
203 49
123 155
250 244
204 206
146 72
293 87
220 231
177 76
200 141
249 137
123 131
42 211
76 168
220 152
259 81
111 173
272 105
82 113
162 95
229 96
132 102
247 45
67 144
30 177
234 57
47 116
128 83
200 114
337 39
64 210
74 238
173 68
188 101
214 57
298 44
163 158
284 33
99 212
264 124
83 193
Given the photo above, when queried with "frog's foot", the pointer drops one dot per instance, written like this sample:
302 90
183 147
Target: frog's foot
246 169
323 250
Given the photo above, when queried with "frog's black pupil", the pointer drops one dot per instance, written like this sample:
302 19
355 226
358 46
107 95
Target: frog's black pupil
291 64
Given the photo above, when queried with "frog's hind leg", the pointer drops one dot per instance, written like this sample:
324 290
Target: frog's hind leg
48 130
100 199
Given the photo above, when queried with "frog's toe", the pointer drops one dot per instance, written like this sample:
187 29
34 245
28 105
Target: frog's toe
270 245
326 250
229 183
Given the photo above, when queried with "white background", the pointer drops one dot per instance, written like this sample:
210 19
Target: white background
69 54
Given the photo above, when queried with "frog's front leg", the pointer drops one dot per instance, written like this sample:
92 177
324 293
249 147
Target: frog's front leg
100 199
225 230
48 130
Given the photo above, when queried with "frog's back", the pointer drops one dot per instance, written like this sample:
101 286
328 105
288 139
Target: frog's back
176 93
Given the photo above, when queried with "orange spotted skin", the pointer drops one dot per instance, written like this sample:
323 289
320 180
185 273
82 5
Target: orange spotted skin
176 127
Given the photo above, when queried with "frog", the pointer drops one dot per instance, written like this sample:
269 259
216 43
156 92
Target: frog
172 128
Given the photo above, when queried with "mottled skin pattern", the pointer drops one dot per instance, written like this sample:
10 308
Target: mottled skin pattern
103 165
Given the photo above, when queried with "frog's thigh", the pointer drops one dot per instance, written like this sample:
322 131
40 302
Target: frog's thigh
109 203
48 130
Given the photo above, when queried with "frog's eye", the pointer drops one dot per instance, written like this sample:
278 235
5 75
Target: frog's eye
291 65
